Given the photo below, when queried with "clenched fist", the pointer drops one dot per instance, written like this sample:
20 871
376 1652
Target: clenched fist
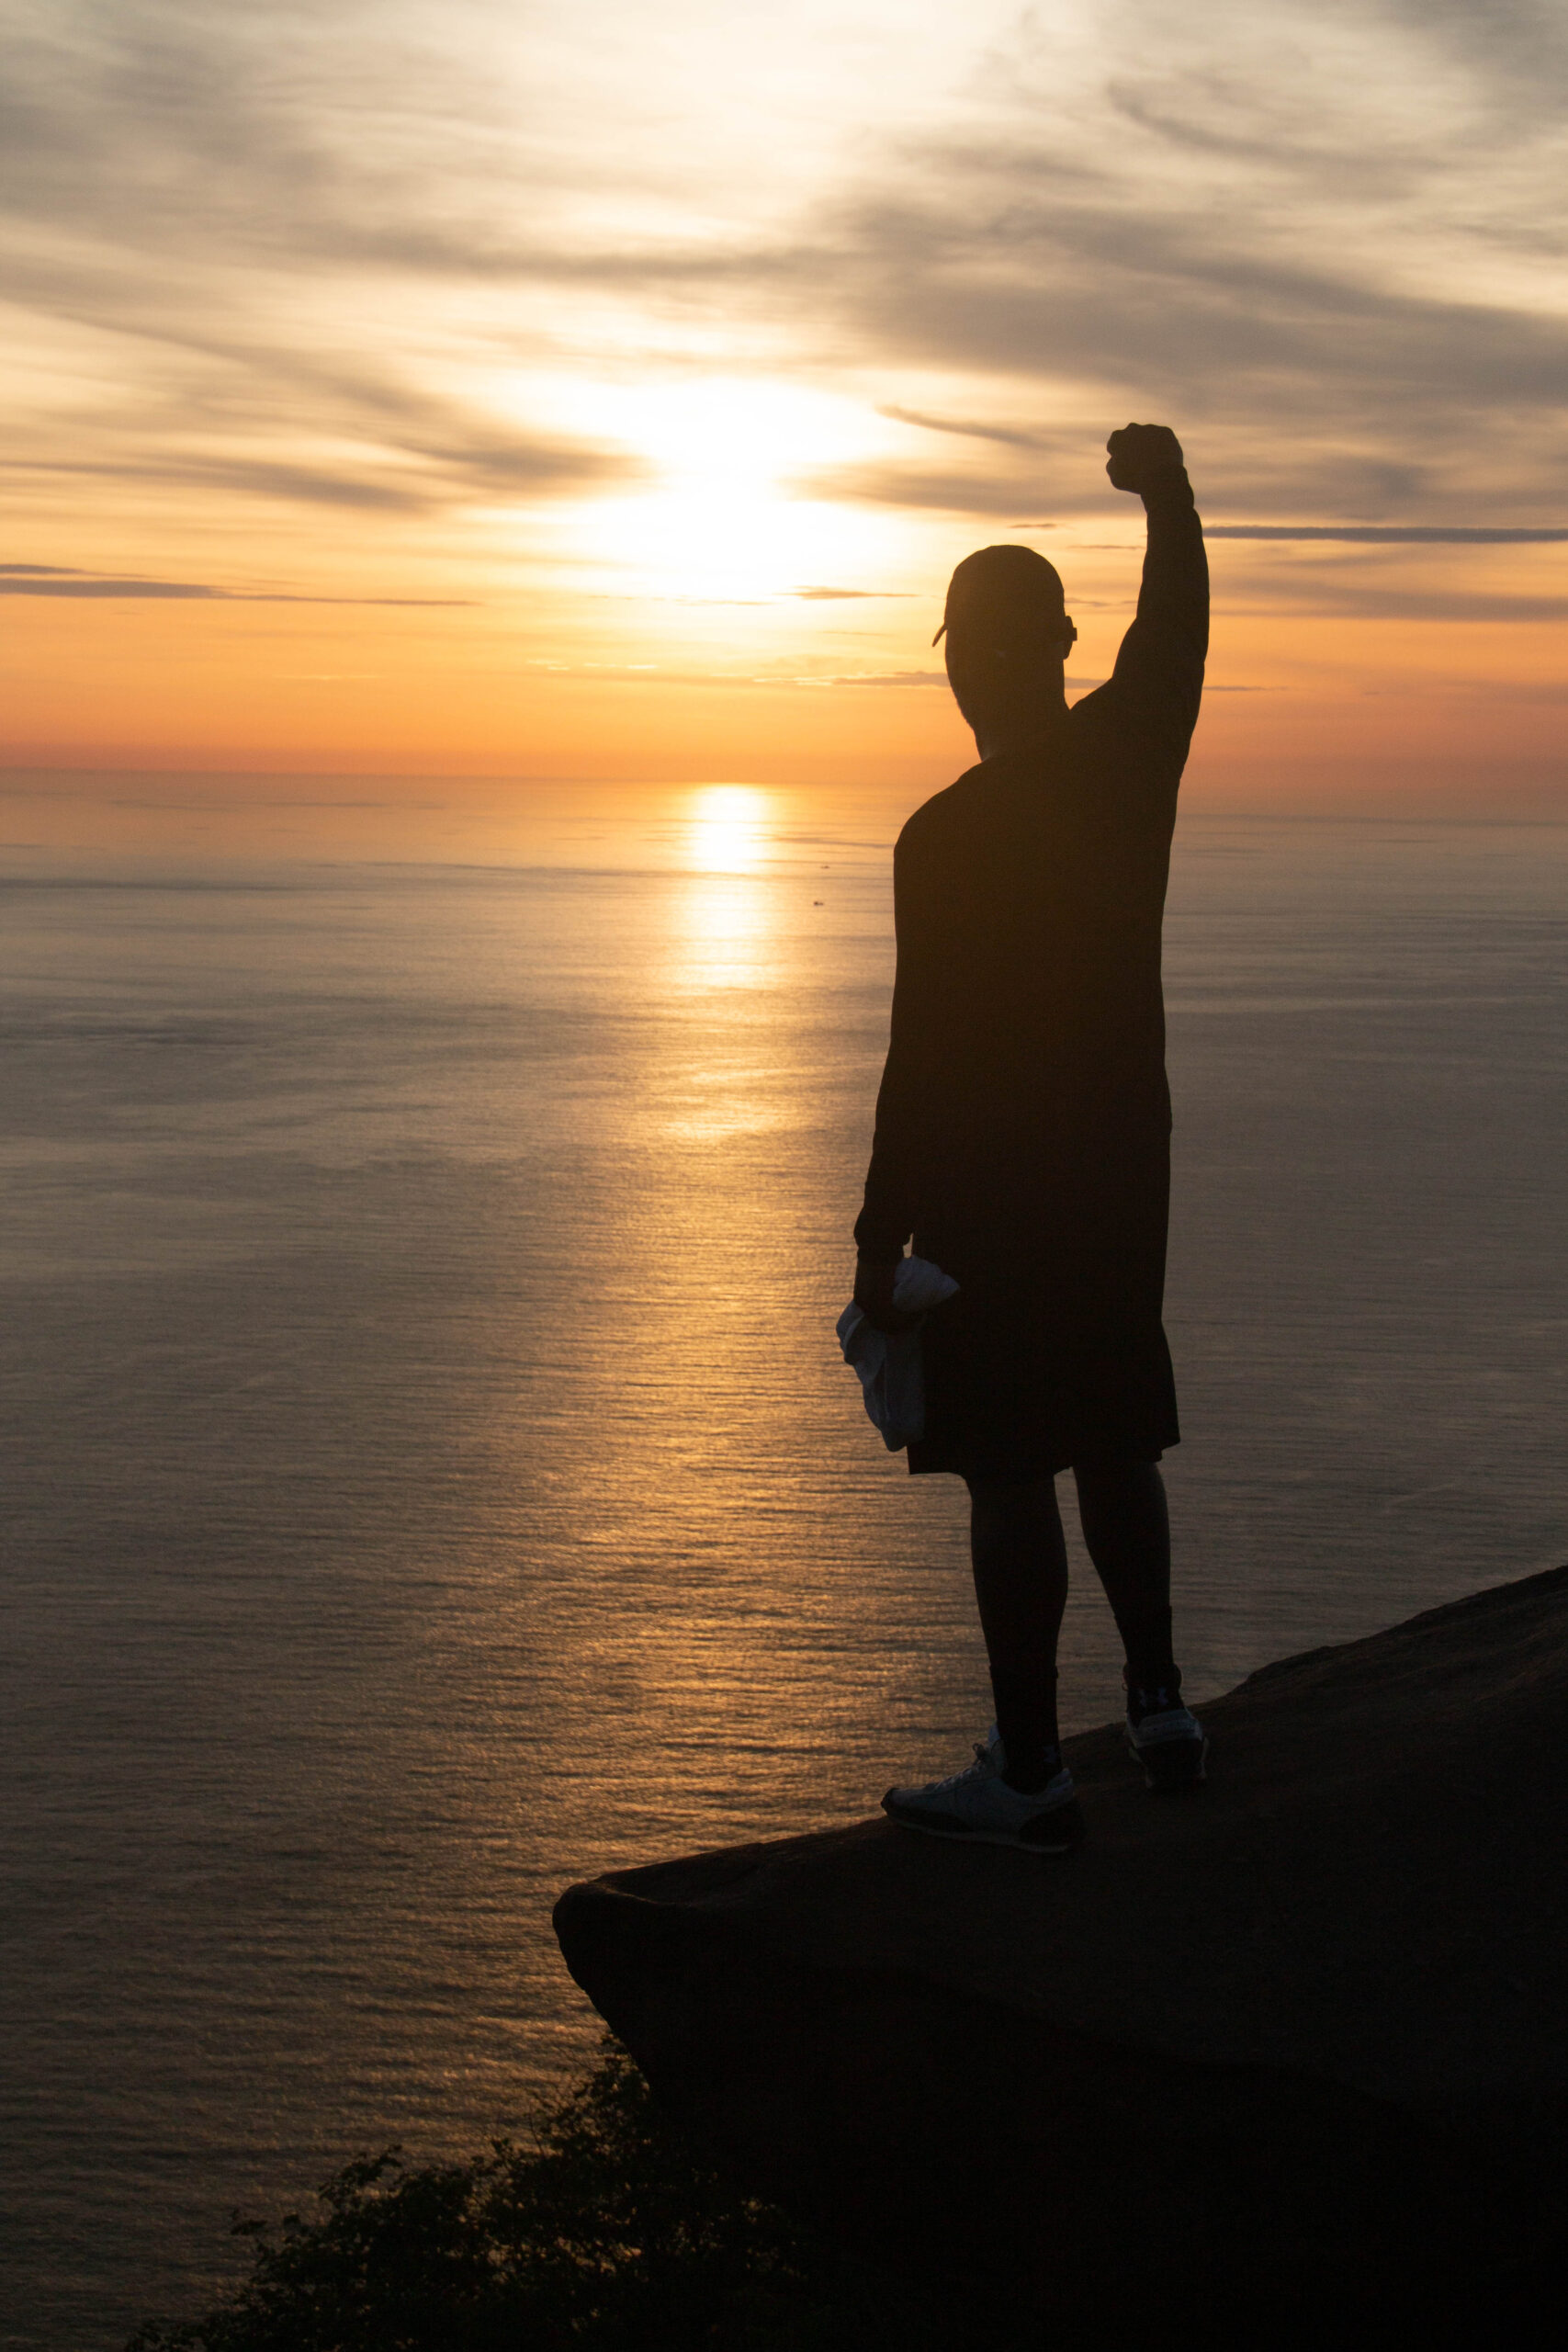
1138 452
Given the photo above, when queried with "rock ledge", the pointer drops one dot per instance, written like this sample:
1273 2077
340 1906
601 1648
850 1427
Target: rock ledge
1301 2034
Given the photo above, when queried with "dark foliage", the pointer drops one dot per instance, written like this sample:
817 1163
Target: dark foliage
609 2230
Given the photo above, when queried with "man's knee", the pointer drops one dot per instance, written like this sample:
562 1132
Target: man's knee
1117 1477
1011 1494
1012 1509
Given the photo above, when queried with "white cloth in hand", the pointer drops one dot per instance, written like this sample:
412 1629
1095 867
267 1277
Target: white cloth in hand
888 1364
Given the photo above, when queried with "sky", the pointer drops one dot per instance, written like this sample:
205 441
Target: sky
606 391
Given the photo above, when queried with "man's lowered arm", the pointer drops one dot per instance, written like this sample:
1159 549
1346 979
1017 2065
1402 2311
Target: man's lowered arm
885 1221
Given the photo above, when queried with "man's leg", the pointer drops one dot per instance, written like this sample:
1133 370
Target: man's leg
1021 1583
1128 1532
1127 1528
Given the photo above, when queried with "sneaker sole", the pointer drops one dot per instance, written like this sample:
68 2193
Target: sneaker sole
1172 1764
1060 1831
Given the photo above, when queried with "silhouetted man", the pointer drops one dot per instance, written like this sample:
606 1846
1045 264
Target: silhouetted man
1022 1137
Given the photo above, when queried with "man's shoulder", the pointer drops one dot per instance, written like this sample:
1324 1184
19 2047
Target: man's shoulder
946 813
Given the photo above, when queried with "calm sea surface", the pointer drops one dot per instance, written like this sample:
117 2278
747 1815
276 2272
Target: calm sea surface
431 1477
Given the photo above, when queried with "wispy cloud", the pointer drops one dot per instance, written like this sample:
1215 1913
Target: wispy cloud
649 673
1403 600
54 580
405 475
838 595
1381 534
882 678
884 484
1014 438
324 261
1232 222
653 673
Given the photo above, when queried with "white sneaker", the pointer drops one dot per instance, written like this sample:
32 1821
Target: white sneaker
1168 1740
978 1805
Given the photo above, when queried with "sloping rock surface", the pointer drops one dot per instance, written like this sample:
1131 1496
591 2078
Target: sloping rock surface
1338 1971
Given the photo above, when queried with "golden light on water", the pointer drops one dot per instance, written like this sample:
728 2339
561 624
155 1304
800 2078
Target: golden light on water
724 915
727 829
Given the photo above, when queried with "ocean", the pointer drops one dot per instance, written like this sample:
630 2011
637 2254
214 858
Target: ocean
432 1477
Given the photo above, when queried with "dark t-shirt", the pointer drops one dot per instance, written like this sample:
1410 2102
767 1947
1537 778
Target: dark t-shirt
1023 1119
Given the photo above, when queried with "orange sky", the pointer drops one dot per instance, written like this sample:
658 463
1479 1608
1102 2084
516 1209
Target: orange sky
490 394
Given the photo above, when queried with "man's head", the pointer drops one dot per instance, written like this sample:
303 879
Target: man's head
1008 635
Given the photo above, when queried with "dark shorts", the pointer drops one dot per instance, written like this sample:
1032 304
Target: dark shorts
1024 1384
1016 1478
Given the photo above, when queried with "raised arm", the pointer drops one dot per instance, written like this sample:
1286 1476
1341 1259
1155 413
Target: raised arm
1159 677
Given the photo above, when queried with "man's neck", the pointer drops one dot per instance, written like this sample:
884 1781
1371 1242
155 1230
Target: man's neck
994 738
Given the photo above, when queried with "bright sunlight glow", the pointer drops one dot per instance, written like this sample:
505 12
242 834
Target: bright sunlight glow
729 514
728 828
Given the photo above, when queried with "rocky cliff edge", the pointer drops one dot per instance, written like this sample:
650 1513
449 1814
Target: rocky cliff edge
1300 2035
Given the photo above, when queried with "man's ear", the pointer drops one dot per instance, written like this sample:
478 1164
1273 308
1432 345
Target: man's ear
1069 637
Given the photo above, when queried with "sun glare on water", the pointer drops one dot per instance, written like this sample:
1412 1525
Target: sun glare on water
727 829
724 913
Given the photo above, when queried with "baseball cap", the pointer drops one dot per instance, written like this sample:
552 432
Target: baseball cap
1005 584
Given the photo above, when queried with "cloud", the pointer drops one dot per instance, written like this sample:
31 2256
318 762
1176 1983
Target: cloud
1516 49
882 678
436 478
836 596
190 194
1281 232
1207 325
1388 535
1319 237
649 673
883 483
1370 600
178 589
1008 434
652 673
52 579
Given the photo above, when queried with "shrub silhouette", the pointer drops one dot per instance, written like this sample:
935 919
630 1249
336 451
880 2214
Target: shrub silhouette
608 2231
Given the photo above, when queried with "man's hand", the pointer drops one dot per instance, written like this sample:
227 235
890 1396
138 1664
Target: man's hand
1139 452
873 1296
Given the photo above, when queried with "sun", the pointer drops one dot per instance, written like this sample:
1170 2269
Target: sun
728 514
